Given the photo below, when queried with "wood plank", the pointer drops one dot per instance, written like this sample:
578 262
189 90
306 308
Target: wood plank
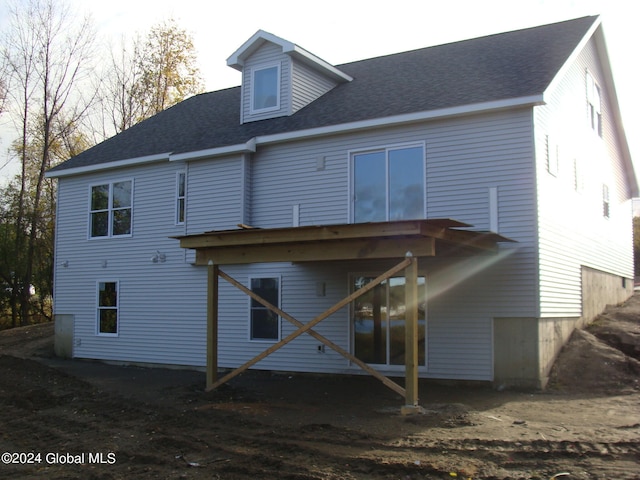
411 333
317 251
212 324
341 304
266 236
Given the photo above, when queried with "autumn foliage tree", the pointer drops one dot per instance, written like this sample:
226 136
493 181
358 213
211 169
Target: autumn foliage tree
149 75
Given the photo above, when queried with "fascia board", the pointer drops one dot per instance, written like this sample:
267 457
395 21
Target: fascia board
67 172
247 147
532 100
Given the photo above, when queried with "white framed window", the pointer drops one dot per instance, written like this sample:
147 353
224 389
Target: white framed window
181 197
265 88
606 205
594 104
388 184
264 325
110 209
107 318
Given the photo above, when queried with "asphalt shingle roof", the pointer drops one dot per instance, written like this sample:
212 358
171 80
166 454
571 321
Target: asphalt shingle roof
497 67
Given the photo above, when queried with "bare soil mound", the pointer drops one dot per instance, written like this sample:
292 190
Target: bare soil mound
63 419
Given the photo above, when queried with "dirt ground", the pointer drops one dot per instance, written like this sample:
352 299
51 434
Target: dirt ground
71 419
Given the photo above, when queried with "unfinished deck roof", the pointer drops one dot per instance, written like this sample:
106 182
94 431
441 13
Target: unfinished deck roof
377 240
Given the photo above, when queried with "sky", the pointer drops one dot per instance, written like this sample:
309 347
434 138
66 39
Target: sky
341 31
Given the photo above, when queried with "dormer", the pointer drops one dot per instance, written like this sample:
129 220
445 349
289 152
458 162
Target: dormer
279 78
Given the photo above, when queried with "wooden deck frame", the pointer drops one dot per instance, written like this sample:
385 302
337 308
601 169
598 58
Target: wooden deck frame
410 392
410 239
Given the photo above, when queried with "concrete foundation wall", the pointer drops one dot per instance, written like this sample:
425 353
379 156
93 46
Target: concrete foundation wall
63 335
526 348
600 289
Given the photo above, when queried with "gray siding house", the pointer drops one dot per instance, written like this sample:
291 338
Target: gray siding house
499 162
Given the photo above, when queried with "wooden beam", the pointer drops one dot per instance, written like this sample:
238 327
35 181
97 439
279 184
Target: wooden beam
351 249
341 304
411 333
212 324
374 373
267 236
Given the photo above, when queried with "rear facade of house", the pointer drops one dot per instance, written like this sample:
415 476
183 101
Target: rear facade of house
547 168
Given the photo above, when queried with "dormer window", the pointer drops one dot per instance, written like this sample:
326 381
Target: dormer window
266 88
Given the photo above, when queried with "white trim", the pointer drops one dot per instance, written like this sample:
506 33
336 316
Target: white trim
248 147
236 60
108 165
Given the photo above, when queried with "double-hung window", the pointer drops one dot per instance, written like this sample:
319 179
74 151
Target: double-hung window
181 196
265 324
389 184
107 308
265 92
110 212
594 105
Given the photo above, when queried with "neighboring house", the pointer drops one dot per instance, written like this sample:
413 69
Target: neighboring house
518 134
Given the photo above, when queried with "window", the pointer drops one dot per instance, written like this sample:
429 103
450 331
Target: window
605 201
594 105
553 157
389 184
266 88
265 324
378 321
110 214
107 308
180 197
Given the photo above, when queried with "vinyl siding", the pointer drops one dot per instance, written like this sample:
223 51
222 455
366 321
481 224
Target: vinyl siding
267 55
157 319
163 305
307 85
572 229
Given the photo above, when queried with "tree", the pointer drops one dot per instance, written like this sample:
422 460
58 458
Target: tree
48 53
149 76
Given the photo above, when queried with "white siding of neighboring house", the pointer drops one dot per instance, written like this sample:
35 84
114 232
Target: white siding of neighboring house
573 231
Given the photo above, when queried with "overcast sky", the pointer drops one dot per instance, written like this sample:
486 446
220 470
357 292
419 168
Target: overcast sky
341 31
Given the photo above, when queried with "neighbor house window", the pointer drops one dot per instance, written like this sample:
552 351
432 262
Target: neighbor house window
265 324
389 184
606 209
107 308
265 88
594 105
181 186
111 205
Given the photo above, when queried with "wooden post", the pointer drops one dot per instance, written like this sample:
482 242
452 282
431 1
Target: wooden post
212 324
411 336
